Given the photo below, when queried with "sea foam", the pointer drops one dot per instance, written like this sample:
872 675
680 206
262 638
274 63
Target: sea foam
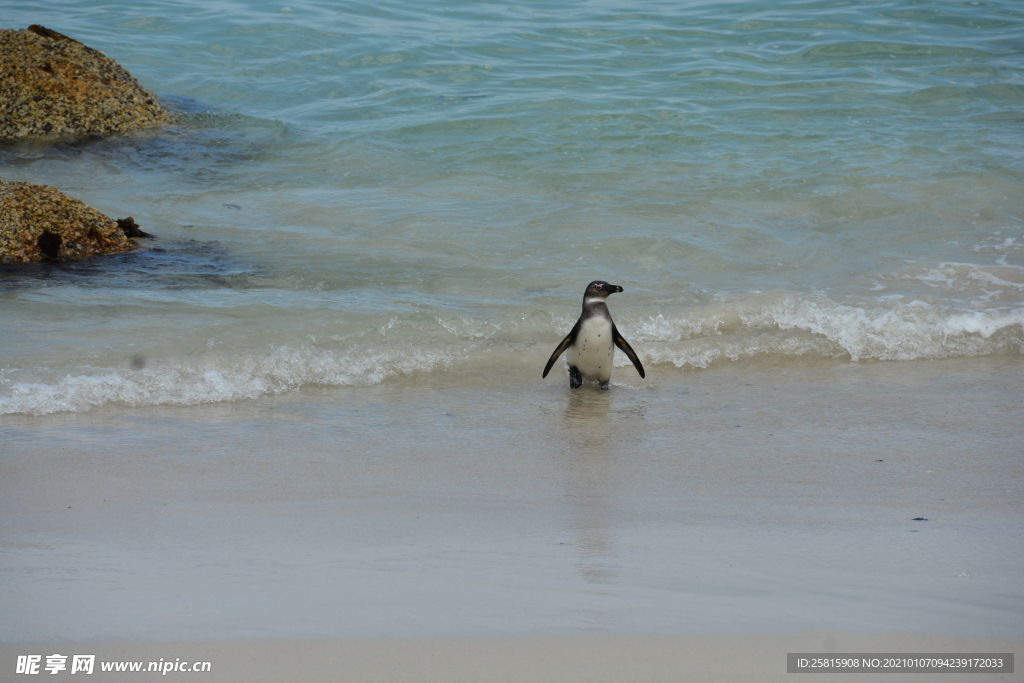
775 326
783 324
212 378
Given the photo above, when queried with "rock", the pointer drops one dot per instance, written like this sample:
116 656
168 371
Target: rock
40 223
130 228
54 86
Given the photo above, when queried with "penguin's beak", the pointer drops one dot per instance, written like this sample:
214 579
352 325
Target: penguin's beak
615 288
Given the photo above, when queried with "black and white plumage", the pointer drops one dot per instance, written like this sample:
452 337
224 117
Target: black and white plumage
591 343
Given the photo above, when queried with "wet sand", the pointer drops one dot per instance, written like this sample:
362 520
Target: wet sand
459 522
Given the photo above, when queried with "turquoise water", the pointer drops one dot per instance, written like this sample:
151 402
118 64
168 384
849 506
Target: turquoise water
364 192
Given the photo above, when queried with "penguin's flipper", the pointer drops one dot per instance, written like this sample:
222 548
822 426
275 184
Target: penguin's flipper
559 350
628 350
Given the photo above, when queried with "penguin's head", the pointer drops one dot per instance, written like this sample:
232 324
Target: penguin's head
598 290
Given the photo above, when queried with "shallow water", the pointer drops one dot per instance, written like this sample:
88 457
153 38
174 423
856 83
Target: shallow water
371 190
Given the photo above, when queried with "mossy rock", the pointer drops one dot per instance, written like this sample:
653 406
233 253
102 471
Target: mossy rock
54 86
40 223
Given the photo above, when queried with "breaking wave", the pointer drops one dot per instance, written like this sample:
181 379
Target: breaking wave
774 326
785 325
212 378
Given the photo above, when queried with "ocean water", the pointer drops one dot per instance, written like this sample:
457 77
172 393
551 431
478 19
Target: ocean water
376 192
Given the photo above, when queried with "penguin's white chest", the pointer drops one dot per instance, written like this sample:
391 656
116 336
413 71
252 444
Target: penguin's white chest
592 353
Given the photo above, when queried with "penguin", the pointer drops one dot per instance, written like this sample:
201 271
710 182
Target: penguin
592 341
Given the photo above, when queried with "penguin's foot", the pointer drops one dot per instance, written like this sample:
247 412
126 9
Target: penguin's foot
575 378
604 386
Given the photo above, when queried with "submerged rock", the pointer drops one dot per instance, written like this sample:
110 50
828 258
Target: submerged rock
52 85
40 223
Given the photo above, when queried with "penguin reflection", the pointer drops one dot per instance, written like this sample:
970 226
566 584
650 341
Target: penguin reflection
590 476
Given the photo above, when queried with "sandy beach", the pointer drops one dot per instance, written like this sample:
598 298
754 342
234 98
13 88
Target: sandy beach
450 528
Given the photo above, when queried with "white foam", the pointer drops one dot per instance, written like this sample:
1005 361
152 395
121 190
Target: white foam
973 281
896 330
211 378
785 324
773 325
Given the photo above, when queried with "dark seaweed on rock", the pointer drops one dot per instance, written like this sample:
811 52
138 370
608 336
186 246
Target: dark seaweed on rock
131 229
49 33
49 244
